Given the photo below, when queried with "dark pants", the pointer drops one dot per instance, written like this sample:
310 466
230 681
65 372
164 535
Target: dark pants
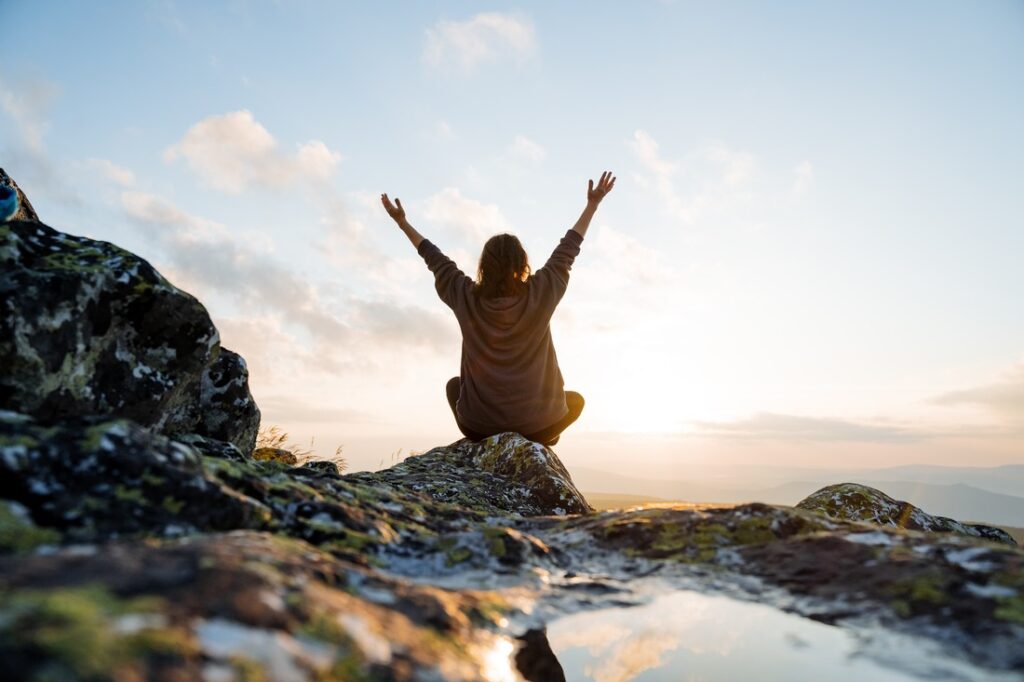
547 436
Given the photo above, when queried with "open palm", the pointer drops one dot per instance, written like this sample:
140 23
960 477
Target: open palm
396 212
604 185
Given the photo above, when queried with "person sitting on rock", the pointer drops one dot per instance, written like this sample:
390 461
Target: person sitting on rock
510 380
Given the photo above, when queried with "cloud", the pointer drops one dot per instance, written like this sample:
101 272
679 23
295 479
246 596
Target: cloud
646 149
1004 397
735 167
526 149
234 152
486 37
619 272
772 426
112 172
710 177
471 220
803 177
444 130
346 241
26 104
152 211
280 408
205 253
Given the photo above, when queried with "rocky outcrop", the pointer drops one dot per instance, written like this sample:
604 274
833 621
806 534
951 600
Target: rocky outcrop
23 208
856 502
142 541
223 409
237 606
507 474
87 328
178 561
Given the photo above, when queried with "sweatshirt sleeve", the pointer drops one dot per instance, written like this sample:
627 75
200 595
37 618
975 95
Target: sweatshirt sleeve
554 276
451 283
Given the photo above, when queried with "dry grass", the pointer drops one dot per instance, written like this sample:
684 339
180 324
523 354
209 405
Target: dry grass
276 437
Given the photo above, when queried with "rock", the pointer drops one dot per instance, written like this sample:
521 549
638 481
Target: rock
324 467
240 605
90 329
222 408
18 532
25 210
275 455
505 473
211 447
92 479
428 565
856 502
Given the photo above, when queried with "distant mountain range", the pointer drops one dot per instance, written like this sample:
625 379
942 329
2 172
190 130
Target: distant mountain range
964 493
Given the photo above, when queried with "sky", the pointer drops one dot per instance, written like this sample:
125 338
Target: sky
811 257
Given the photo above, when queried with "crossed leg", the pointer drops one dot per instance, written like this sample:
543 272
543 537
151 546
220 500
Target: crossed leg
547 436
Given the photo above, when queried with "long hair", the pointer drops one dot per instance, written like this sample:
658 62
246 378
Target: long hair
504 267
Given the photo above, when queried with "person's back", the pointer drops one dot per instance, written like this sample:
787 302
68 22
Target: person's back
510 379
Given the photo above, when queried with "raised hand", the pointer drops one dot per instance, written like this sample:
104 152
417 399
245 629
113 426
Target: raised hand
396 213
604 185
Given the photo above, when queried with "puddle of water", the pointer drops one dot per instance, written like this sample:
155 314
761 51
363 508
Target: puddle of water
692 636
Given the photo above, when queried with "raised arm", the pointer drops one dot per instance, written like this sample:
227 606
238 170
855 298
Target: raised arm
594 197
452 284
397 213
553 277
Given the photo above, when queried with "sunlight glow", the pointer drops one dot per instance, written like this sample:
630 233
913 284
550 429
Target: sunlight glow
497 662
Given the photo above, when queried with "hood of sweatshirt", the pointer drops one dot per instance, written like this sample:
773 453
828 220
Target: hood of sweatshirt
504 312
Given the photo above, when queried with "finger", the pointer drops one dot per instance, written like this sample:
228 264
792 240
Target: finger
590 185
399 202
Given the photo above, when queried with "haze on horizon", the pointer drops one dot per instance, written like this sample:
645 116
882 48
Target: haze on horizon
811 258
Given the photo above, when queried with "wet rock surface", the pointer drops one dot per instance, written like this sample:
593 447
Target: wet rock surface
144 542
237 565
856 502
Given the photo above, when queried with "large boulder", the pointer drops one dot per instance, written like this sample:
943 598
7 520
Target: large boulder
506 473
856 502
222 408
87 328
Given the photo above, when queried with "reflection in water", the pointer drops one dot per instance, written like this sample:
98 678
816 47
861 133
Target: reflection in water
692 636
535 660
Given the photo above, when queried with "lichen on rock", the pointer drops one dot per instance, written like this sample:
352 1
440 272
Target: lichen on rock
856 502
505 473
87 328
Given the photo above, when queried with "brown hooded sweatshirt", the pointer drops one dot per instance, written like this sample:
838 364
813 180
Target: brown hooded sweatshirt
510 375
